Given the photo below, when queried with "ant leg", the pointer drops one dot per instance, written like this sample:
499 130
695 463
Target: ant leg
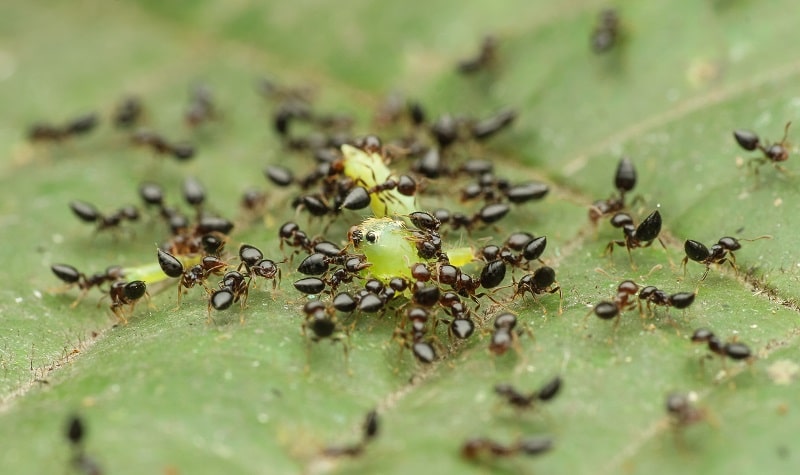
705 274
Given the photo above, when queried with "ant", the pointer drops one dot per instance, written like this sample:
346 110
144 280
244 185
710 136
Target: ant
321 320
88 213
201 107
734 351
369 430
655 296
197 274
624 182
622 302
76 434
543 280
607 32
681 410
126 293
636 236
80 125
71 276
481 447
485 58
522 401
485 128
504 336
232 288
773 153
128 113
162 146
719 253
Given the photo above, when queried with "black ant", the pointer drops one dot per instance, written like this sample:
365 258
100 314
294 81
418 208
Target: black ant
636 236
71 276
655 296
279 175
734 350
88 213
607 32
81 125
482 447
504 336
773 153
233 288
125 293
543 280
369 430
485 128
76 434
522 401
483 60
162 146
623 301
624 182
128 113
197 274
719 253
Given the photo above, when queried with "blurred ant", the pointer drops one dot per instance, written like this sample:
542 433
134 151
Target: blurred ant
126 293
87 212
81 125
481 447
485 58
522 401
504 337
76 435
201 107
772 153
543 280
636 236
71 276
719 253
607 32
369 430
735 350
321 320
162 146
682 411
624 182
127 113
488 127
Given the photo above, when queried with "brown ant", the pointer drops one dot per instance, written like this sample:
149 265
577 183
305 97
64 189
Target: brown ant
485 58
624 182
162 146
481 447
522 401
81 125
636 236
87 212
734 350
126 293
607 32
71 276
772 153
719 253
369 430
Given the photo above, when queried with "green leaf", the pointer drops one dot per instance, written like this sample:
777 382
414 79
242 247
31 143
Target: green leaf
168 393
